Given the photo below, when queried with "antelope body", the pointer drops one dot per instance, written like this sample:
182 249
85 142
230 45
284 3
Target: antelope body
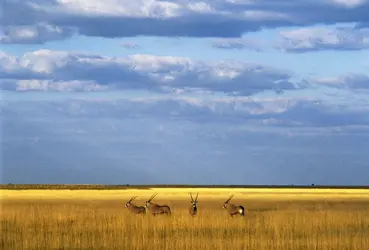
135 209
233 209
193 208
156 209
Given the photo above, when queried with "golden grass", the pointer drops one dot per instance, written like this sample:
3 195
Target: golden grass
182 193
97 219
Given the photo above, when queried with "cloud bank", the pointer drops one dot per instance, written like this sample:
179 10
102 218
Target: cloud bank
227 140
57 19
196 116
46 70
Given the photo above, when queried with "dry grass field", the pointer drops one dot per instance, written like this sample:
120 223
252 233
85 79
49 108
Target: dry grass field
97 219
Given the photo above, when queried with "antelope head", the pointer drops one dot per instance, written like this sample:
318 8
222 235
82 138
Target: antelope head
226 202
128 203
194 201
147 204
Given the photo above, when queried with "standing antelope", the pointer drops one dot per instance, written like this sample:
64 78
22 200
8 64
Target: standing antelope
135 209
193 208
156 209
233 209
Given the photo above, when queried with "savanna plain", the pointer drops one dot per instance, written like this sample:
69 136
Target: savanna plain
288 218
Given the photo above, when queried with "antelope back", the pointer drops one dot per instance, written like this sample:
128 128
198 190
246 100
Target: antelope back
137 209
153 206
165 208
232 208
159 209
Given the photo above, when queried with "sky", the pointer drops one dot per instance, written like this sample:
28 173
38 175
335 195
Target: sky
231 92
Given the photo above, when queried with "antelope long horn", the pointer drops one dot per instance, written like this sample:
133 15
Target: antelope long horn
197 195
191 197
230 197
134 197
152 196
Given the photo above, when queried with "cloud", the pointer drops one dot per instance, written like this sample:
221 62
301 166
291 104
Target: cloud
349 3
34 34
45 70
61 71
257 113
54 86
237 43
130 45
110 139
352 81
223 18
323 38
271 112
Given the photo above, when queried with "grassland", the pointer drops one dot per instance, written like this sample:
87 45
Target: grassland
288 218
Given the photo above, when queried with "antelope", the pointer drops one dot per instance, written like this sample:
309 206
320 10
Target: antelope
193 208
135 209
233 209
156 209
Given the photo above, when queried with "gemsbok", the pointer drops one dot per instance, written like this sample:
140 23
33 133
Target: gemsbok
156 209
135 209
193 208
233 209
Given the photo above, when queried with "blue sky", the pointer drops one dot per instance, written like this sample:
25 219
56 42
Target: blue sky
187 92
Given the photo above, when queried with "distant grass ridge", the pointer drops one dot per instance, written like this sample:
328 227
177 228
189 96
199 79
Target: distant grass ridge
128 186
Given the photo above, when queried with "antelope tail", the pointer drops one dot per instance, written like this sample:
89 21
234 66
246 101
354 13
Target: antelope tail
242 210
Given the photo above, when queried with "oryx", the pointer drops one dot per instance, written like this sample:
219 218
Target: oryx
193 208
233 209
135 209
156 209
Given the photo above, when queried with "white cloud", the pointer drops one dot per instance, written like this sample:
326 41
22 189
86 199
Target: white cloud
200 7
47 70
349 3
8 62
157 73
57 86
139 8
352 81
261 15
130 45
323 38
239 43
35 33
257 113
